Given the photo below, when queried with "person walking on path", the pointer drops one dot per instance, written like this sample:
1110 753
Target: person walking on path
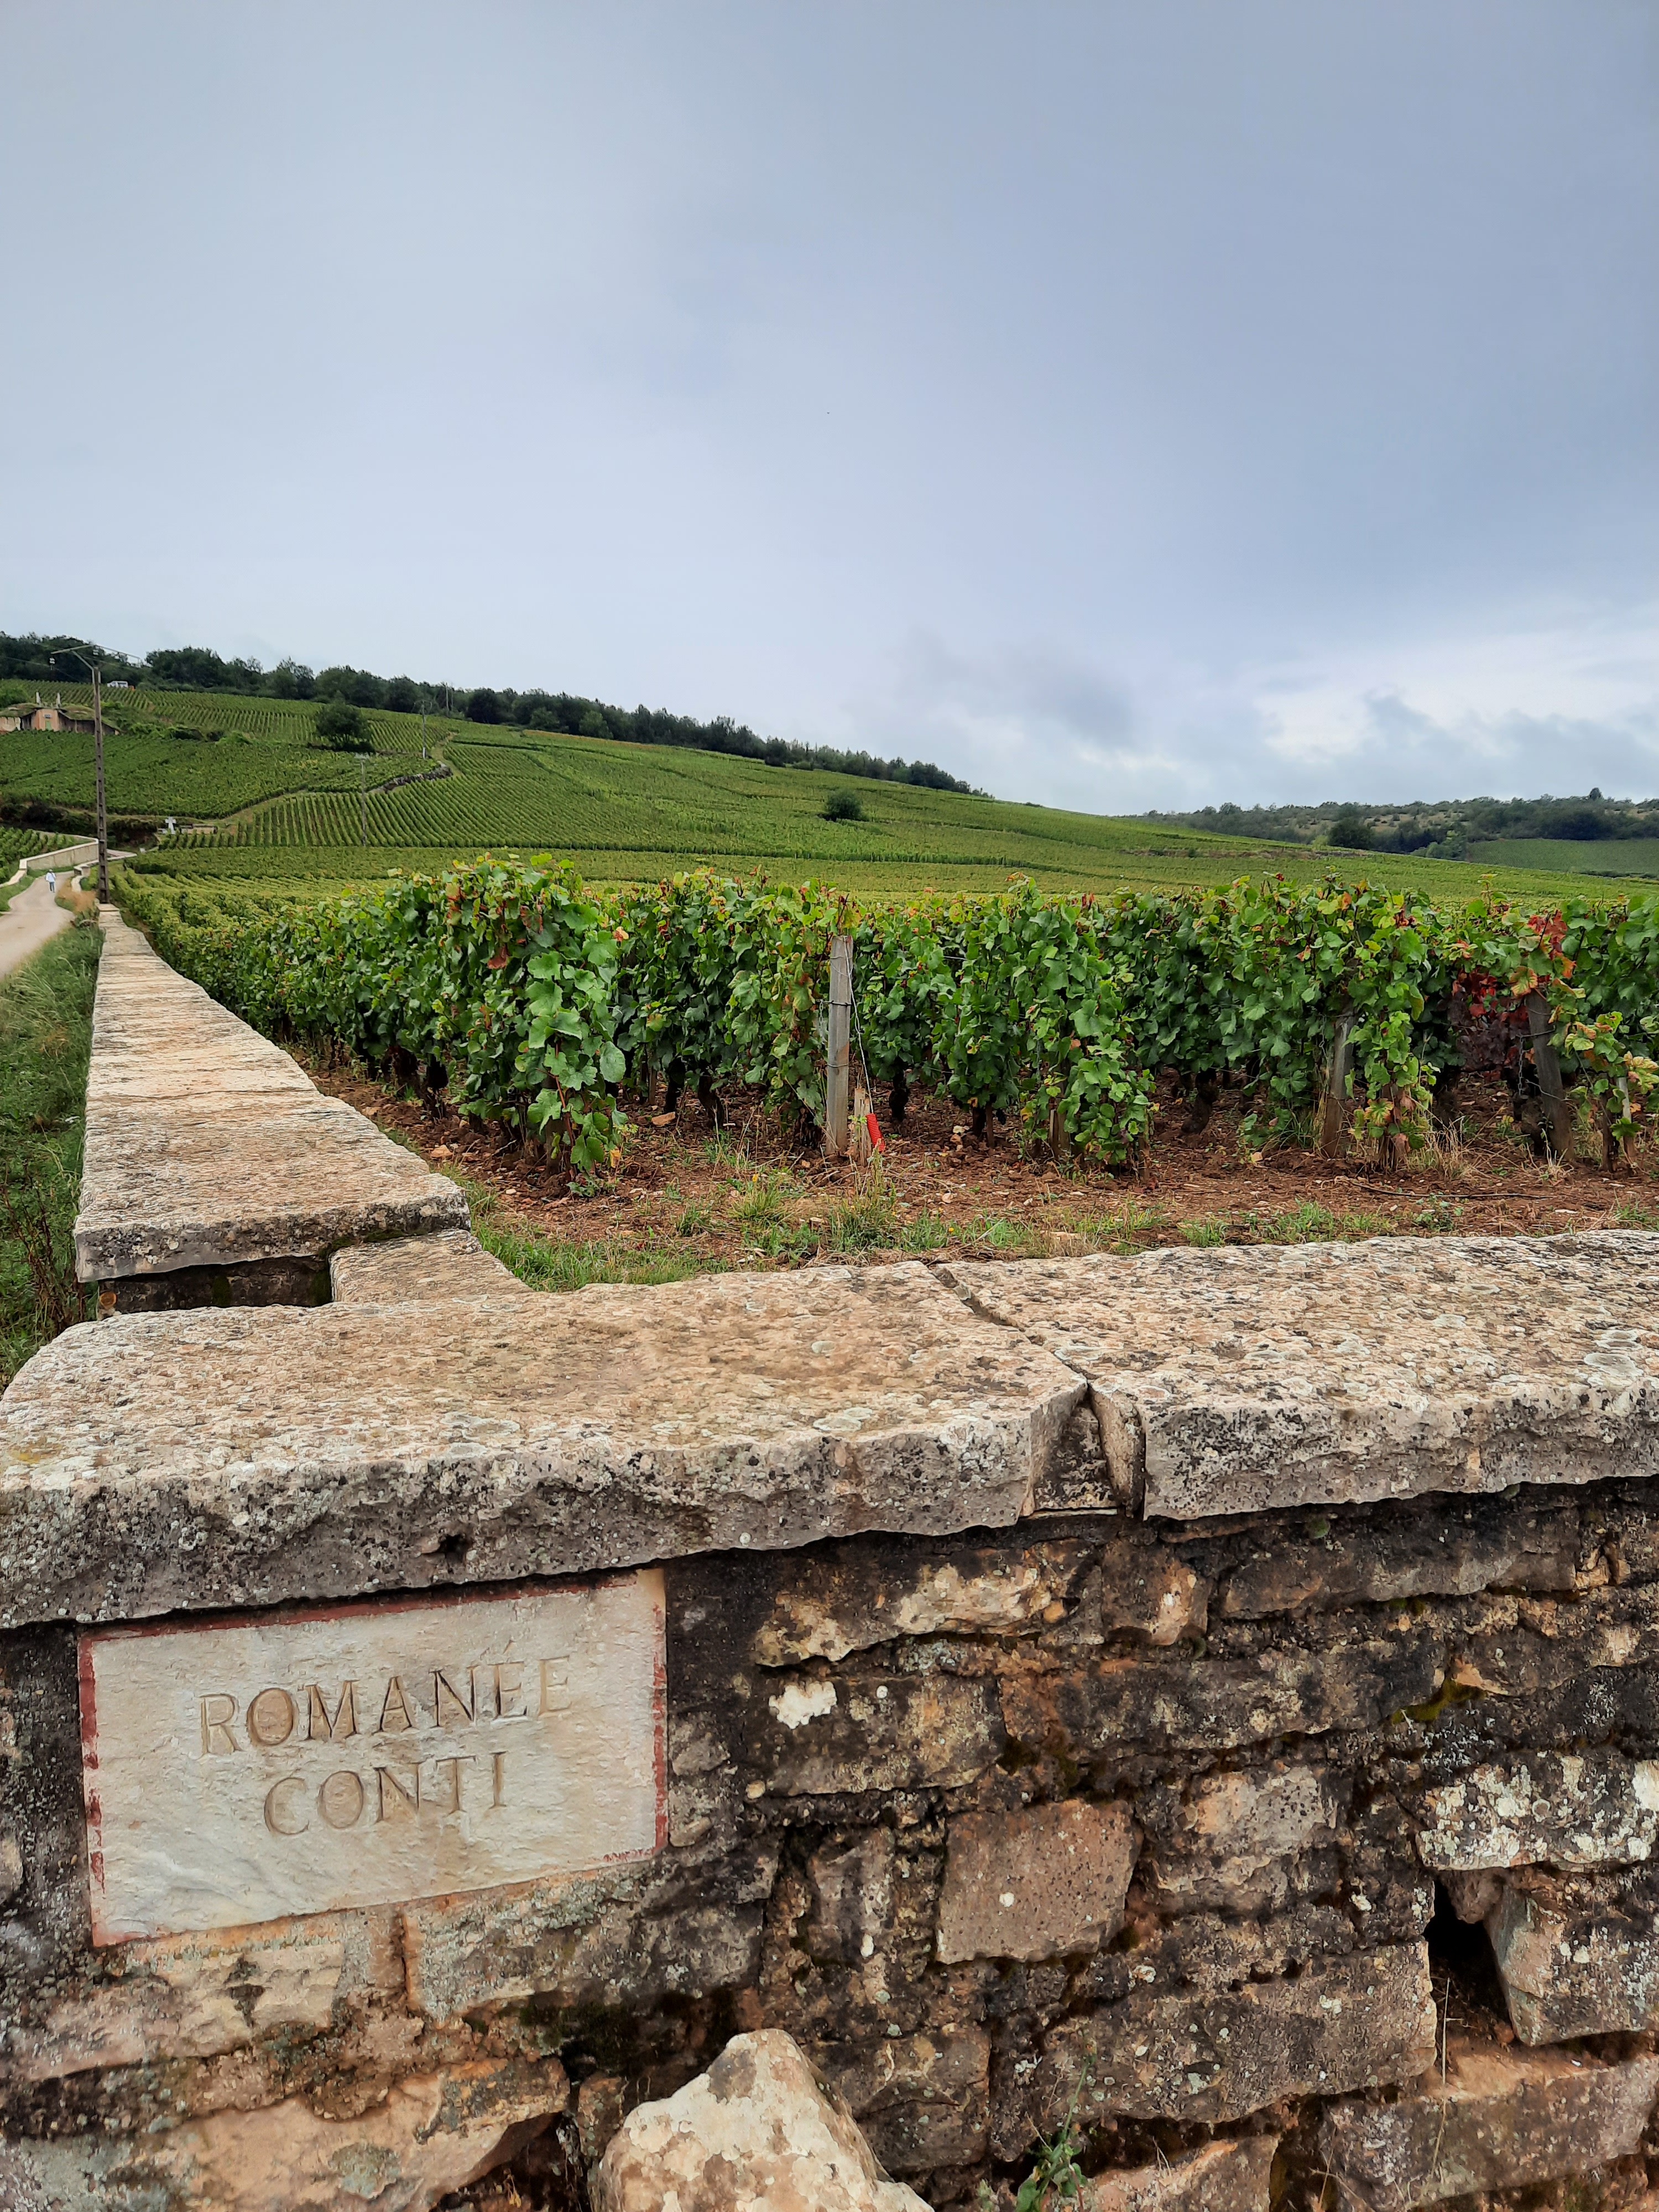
34 916
51 883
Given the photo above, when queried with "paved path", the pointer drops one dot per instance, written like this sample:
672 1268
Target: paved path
32 917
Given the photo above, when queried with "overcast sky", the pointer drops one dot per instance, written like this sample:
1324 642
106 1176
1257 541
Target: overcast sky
1123 404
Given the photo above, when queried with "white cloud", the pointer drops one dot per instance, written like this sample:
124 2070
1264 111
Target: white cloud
1544 706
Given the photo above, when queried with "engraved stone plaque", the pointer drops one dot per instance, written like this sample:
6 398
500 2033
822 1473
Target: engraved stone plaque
239 1770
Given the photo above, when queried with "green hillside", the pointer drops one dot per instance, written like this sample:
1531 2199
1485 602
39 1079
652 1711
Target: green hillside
285 809
1618 857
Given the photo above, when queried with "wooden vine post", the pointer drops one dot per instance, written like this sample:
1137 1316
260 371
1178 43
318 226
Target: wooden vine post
1551 1088
1334 1115
1060 1136
837 1087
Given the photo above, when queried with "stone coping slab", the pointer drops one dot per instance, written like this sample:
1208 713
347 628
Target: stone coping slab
207 1146
1246 1377
413 1270
252 1180
243 1456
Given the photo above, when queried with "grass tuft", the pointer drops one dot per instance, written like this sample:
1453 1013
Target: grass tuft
867 1220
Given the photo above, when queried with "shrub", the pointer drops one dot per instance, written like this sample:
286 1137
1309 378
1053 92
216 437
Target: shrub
341 727
843 806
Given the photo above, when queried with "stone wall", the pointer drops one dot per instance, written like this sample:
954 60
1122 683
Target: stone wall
1156 1820
1215 1696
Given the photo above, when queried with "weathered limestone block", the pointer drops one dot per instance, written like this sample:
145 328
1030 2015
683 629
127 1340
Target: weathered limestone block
684 1925
233 1457
1497 2119
1037 1883
1391 1892
1516 1645
1224 2177
403 1271
1598 1708
1237 1836
704 1787
852 1898
1207 1952
923 2100
1244 1377
434 2133
167 1188
601 2108
188 1998
816 1736
1077 1479
1342 2024
1492 1543
170 1060
1546 1810
1214 1705
851 1602
755 2128
1571 1962
892 1990
1151 1593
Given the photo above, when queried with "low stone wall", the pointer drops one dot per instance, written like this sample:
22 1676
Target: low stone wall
216 1172
1151 1817
1215 1696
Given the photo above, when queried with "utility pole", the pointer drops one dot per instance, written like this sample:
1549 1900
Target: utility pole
97 675
362 778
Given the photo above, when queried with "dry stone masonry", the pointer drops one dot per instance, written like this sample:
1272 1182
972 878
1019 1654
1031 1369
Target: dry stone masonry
1213 1696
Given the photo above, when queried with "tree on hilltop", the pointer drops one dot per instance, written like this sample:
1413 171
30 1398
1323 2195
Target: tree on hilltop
341 727
1352 833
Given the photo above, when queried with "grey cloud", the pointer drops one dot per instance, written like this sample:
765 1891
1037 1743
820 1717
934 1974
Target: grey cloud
1191 381
1512 755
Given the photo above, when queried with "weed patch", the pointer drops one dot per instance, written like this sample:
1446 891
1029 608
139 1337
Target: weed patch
867 1220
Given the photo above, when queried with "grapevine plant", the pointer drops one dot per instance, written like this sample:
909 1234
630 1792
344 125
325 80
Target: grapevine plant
540 1004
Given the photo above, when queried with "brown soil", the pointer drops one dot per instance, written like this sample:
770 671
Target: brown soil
687 1196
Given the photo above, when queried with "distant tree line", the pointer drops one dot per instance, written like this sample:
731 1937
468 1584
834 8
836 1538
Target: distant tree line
30 660
1443 829
196 668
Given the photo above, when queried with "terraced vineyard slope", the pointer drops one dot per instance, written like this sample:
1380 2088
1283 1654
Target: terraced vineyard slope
271 806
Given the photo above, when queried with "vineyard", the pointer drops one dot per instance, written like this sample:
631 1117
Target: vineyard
278 721
156 775
289 812
1621 857
17 845
537 1002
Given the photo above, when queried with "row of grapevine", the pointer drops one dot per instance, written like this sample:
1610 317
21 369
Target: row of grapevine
162 775
544 1003
17 845
284 721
